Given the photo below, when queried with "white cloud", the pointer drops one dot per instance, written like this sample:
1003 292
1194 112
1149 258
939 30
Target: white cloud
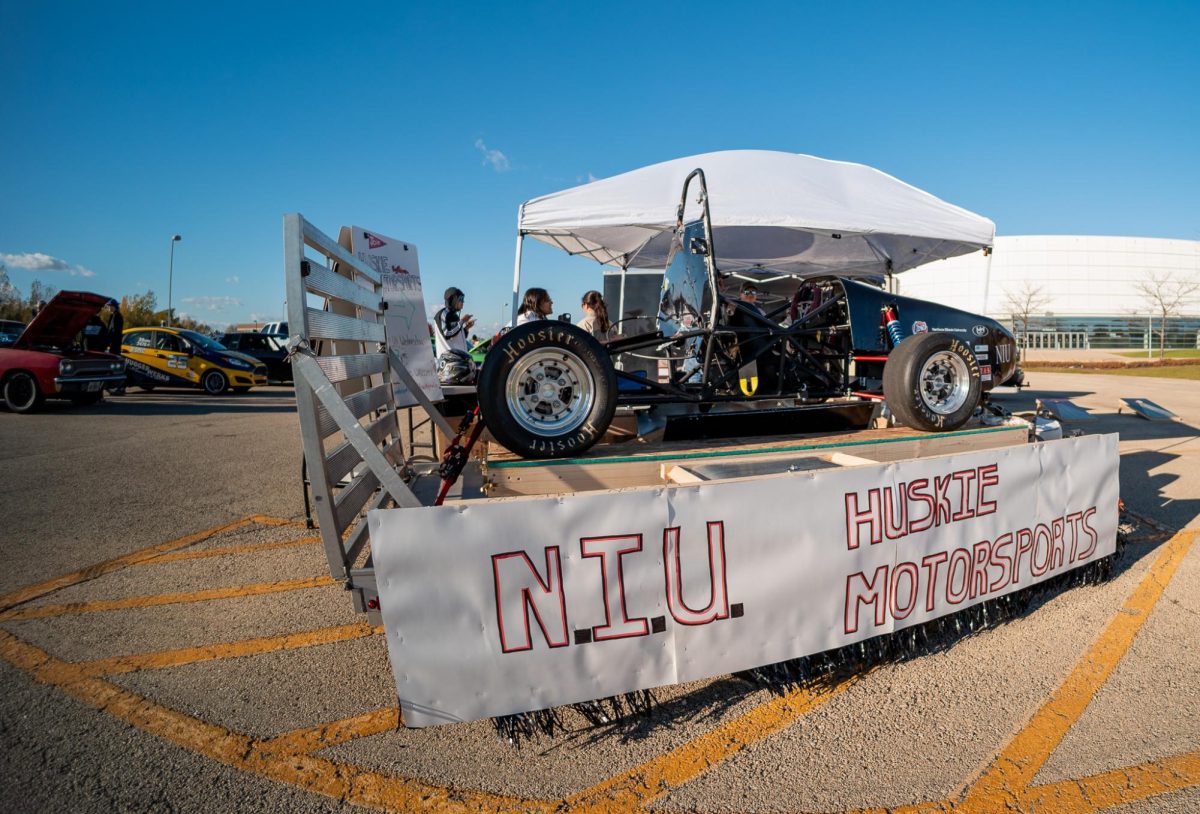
257 317
234 280
213 303
497 159
37 261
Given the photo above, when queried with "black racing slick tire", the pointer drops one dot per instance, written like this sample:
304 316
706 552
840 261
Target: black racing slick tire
21 392
931 382
214 383
547 390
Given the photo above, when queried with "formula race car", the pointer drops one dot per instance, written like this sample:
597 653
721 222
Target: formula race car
819 343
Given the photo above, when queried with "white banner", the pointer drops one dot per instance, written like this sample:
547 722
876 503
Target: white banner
496 607
404 323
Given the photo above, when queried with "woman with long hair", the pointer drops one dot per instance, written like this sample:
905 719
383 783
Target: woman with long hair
536 305
595 316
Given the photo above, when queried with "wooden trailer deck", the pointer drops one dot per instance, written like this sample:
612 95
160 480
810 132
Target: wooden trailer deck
628 464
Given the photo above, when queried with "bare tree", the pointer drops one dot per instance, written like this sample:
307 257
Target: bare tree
1167 296
1023 304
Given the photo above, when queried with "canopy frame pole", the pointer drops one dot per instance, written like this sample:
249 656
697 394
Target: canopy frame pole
512 317
987 282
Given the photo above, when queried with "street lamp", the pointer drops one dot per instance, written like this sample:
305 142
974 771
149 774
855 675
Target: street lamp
171 277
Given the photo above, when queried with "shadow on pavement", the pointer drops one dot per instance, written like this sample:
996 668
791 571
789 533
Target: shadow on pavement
183 403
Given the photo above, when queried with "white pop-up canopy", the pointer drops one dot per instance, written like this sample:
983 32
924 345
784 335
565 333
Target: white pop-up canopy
785 212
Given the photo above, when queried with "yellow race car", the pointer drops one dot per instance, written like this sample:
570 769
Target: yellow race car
174 357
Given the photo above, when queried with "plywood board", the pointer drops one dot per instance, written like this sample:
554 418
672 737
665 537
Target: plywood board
632 464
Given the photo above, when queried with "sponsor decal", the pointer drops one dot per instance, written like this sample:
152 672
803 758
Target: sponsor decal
920 327
985 373
145 370
981 348
949 330
372 241
980 330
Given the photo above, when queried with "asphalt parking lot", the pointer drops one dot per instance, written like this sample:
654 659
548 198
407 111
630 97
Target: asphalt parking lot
170 641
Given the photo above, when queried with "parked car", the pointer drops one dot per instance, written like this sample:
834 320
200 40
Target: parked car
44 361
175 357
280 328
266 348
10 329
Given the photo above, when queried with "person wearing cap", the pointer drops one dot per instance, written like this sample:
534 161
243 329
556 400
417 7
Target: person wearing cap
754 349
451 327
116 327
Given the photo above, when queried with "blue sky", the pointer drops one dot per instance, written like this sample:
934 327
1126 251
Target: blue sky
123 124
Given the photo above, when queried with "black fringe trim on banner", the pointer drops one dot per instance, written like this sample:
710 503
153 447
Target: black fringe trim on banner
629 713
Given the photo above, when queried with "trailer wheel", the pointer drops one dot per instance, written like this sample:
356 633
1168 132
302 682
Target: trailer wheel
547 390
931 382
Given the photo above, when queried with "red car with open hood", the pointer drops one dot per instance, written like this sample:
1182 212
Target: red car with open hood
46 362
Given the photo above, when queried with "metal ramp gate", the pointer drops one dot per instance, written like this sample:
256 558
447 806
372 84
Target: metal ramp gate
354 435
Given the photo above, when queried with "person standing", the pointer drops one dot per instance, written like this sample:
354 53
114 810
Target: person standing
536 305
595 316
116 327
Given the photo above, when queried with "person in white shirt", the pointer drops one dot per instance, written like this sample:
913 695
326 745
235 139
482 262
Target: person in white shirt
450 326
536 305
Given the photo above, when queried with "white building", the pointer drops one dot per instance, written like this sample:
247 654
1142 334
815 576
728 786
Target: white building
1086 287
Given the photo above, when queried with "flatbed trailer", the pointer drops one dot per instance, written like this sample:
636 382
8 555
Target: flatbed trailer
806 514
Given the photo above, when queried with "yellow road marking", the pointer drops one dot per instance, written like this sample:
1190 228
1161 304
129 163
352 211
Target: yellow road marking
1012 771
644 784
314 738
223 551
269 520
74 608
338 780
1127 785
134 557
224 650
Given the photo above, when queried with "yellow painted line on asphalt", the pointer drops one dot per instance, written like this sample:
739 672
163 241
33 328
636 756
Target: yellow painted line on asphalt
132 558
1008 778
314 738
340 781
225 650
268 520
642 785
223 551
74 608
935 807
1117 787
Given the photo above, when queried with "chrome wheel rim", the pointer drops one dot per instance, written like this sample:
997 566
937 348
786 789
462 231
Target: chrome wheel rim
550 392
945 382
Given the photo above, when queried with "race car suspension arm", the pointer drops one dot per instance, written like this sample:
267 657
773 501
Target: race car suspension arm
455 458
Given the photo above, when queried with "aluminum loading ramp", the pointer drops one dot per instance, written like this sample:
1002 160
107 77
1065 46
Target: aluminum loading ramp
1064 410
1147 409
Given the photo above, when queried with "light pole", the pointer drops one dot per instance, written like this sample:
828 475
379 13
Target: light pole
171 276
